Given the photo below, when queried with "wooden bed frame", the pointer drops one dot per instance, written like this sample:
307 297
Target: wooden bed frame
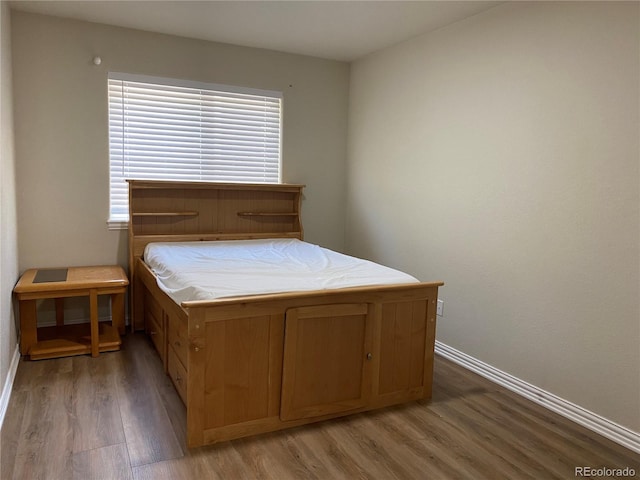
248 365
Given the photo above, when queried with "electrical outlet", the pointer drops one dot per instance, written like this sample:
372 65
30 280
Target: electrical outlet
440 307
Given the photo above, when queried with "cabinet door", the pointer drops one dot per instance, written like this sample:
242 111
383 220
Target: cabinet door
326 366
242 368
406 352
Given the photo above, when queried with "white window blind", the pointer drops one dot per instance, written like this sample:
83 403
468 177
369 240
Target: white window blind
164 129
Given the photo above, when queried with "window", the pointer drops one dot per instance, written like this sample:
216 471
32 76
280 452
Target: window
166 129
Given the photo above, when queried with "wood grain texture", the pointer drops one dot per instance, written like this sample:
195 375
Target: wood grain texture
106 463
471 429
102 277
9 440
237 387
325 367
45 448
402 346
96 421
149 433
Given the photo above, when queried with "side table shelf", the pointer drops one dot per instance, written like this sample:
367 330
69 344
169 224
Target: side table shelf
71 340
64 340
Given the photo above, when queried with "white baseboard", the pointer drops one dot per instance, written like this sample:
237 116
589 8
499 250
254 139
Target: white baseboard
8 384
581 416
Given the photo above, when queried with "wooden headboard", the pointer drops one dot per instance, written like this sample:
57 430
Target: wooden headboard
161 211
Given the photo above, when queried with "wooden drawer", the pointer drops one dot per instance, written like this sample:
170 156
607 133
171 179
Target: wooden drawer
155 330
152 307
178 374
154 325
177 335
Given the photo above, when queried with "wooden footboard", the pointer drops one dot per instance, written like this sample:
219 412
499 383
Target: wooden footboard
257 364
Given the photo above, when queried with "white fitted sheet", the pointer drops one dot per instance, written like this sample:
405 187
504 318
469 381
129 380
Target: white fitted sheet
189 271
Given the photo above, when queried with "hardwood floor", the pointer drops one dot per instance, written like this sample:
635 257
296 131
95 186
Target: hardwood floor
118 417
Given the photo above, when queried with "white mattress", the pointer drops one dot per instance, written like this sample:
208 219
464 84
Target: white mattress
189 271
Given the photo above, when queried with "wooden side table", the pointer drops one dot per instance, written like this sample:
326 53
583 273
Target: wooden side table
60 283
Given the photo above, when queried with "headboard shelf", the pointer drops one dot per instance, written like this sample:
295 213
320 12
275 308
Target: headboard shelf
267 214
165 214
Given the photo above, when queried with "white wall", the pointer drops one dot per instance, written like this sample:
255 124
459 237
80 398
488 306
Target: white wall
501 155
61 128
8 222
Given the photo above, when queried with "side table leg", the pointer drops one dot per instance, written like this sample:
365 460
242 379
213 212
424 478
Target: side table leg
117 312
59 312
95 329
28 326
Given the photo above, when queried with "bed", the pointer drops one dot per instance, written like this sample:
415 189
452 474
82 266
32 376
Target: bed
249 355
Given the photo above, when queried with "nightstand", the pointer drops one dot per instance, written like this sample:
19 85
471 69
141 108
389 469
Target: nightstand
60 283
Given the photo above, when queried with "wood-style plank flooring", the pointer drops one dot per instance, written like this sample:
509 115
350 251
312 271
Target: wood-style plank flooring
118 417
